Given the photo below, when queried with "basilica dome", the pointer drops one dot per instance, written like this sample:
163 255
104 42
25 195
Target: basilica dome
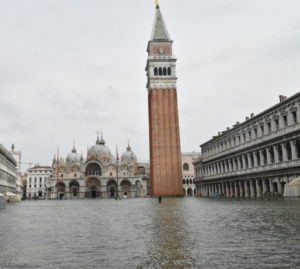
73 157
100 151
128 156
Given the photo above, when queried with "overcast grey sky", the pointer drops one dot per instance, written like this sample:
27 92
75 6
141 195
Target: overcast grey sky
71 67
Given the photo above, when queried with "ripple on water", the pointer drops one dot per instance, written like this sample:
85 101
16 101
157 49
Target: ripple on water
140 233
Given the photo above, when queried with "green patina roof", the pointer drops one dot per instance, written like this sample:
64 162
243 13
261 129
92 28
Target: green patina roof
160 32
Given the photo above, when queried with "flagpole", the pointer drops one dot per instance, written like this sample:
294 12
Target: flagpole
57 170
117 170
87 169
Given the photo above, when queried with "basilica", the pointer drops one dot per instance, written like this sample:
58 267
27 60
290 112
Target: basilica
99 175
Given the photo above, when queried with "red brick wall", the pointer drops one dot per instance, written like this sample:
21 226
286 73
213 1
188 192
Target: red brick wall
168 146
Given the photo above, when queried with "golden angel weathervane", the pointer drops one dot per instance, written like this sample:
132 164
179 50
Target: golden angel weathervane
156 2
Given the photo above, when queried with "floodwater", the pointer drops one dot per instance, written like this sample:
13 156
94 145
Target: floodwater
141 233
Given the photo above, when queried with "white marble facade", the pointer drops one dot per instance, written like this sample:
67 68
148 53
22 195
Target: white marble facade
255 158
188 172
8 171
99 175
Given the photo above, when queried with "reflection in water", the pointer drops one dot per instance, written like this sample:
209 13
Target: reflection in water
141 233
167 246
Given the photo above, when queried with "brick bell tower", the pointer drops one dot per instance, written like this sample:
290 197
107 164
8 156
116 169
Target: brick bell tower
165 152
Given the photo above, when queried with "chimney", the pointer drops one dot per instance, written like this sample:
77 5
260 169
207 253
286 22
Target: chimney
252 115
282 98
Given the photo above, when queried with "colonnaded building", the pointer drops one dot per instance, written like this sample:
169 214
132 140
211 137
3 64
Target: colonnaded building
255 158
100 175
8 171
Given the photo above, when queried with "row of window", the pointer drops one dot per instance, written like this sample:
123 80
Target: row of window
188 176
35 186
39 171
188 181
35 180
260 131
270 155
162 71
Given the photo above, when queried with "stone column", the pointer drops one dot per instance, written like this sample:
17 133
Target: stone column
284 152
246 188
227 189
241 189
244 161
264 187
262 161
249 160
239 163
252 195
235 189
255 159
258 189
271 186
294 149
234 164
231 189
230 165
279 186
276 155
269 161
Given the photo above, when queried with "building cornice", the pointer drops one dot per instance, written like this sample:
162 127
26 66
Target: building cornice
252 119
254 143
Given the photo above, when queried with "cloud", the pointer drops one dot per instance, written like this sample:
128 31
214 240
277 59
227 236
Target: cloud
70 68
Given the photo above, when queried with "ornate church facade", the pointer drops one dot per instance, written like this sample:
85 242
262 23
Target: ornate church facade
99 175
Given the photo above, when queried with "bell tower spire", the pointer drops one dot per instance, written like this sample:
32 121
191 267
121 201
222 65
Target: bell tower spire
165 152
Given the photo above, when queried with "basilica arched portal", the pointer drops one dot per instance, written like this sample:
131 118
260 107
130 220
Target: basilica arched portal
125 187
111 188
93 188
61 189
74 188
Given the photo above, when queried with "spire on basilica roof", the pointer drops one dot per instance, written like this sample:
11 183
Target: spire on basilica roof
74 149
100 141
128 147
159 30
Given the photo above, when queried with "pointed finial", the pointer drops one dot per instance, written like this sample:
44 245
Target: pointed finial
117 153
128 147
13 147
74 149
101 134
